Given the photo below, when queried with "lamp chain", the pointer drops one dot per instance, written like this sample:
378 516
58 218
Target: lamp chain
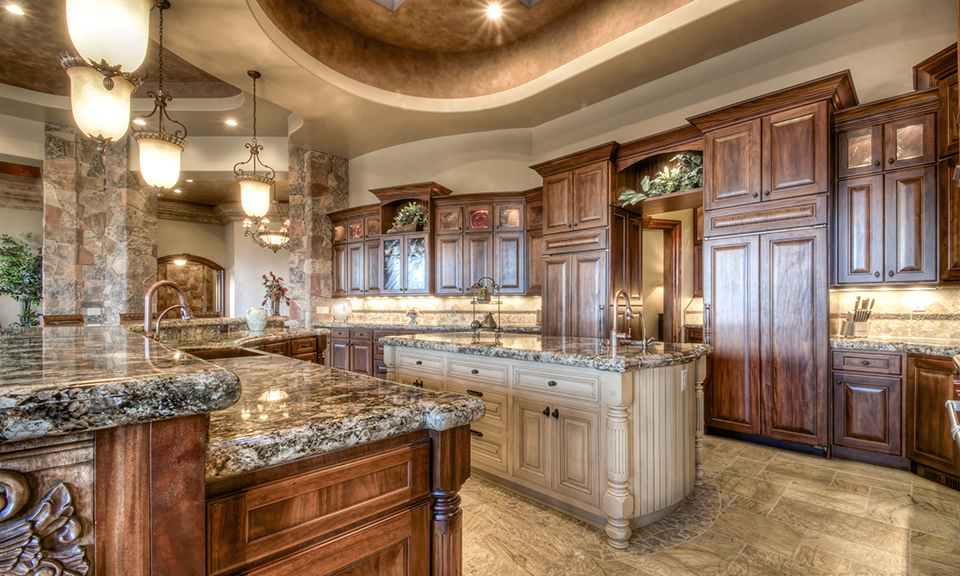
254 109
161 51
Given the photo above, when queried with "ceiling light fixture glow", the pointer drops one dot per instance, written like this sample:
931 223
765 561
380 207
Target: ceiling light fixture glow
180 260
231 122
139 122
176 190
494 11
15 9
112 31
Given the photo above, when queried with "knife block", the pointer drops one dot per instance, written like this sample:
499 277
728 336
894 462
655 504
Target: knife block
855 329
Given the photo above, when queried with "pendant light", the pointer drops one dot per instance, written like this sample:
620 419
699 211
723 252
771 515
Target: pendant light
160 150
111 32
99 99
264 233
254 188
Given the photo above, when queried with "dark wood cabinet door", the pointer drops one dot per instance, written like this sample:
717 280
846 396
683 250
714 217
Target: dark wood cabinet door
860 239
478 218
558 203
731 273
698 225
509 217
340 270
477 258
949 221
731 165
634 266
371 263
449 265
555 299
948 135
449 219
591 190
588 294
860 151
796 152
534 262
929 386
910 225
355 229
356 272
338 354
361 356
698 270
793 335
909 142
866 412
509 257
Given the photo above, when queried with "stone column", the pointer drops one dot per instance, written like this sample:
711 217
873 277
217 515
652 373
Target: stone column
318 185
100 229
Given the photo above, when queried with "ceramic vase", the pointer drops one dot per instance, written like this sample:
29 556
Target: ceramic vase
257 319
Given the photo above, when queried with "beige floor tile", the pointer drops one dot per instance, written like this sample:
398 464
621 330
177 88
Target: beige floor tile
871 559
732 447
718 543
799 472
716 463
829 497
519 550
478 561
755 562
851 467
872 482
925 513
684 560
927 489
770 535
752 506
850 486
712 442
746 466
753 488
759 452
876 534
822 560
620 568
934 555
576 564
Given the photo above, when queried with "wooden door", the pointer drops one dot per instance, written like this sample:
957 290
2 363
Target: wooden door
478 218
731 297
866 412
534 262
371 263
591 191
338 354
860 151
449 219
910 225
909 142
340 269
556 295
355 229
558 203
949 221
793 335
575 449
948 135
731 165
509 259
929 386
588 294
860 239
698 270
796 152
449 264
391 265
361 356
416 264
509 217
532 449
356 272
477 258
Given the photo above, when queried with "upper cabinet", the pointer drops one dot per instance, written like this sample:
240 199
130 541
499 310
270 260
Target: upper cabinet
898 144
940 71
577 190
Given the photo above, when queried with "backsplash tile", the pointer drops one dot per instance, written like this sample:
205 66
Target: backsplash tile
438 311
894 313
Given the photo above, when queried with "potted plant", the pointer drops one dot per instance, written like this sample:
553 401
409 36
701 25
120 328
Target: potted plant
21 275
409 217
686 174
275 293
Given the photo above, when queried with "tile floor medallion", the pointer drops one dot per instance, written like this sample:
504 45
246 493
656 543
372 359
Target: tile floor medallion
761 512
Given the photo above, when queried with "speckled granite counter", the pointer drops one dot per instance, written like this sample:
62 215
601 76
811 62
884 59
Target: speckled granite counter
928 346
422 327
292 409
580 352
68 379
241 339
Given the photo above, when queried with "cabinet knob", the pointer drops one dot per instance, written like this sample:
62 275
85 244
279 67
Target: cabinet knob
477 433
556 414
552 383
890 273
891 160
766 193
876 274
475 393
755 194
864 362
419 362
546 411
474 371
876 163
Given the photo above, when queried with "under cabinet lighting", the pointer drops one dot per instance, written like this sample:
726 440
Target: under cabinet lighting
15 9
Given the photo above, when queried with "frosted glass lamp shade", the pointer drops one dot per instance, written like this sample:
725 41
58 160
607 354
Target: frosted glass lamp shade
274 239
159 160
97 111
116 31
254 197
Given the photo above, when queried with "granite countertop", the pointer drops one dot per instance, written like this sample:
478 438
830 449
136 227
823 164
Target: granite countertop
928 346
580 352
292 409
422 327
67 379
241 338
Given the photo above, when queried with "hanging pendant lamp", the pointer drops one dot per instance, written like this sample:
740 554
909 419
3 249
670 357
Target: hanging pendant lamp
112 32
254 187
99 99
160 150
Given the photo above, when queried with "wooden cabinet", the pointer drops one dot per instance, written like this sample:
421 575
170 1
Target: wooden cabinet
509 217
577 199
929 386
948 135
909 142
558 203
866 412
478 217
340 270
509 261
449 219
356 271
574 290
731 165
361 357
356 255
338 353
698 270
534 269
860 239
405 264
949 221
532 447
371 264
477 258
910 225
860 151
449 264
556 296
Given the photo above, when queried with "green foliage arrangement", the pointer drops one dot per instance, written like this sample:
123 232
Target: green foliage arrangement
411 213
687 174
21 275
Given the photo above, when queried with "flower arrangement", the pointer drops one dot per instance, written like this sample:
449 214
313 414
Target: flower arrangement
687 174
276 292
21 275
409 217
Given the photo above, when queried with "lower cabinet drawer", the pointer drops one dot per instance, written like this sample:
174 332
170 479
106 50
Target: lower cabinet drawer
477 371
488 450
557 382
309 357
867 362
495 404
303 346
281 348
379 369
361 334
420 381
419 362
339 333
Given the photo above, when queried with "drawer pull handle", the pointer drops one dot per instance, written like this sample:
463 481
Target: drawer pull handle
556 413
546 411
552 383
477 433
419 362
474 371
864 362
475 393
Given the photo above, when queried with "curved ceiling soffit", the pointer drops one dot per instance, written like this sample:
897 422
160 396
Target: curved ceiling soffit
687 13
58 102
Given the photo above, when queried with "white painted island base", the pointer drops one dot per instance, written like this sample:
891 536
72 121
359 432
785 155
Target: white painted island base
617 450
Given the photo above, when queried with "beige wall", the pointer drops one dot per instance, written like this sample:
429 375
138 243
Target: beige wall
14 223
204 240
246 264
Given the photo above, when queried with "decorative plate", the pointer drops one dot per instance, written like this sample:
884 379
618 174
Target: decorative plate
480 219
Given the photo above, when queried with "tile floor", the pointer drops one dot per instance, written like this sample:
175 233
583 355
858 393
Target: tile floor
761 511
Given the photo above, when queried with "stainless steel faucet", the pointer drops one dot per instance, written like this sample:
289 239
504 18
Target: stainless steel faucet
156 333
627 315
185 311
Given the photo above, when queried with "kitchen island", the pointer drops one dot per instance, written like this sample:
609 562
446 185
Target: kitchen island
614 440
121 455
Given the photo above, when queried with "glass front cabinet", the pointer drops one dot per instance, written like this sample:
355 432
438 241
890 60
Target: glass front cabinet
405 260
898 144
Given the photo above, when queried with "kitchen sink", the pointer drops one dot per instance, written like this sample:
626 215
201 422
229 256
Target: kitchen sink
227 353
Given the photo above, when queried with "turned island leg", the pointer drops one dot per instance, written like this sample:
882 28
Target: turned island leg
617 500
698 394
451 468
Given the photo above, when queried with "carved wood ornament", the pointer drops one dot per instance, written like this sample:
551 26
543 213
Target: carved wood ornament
38 541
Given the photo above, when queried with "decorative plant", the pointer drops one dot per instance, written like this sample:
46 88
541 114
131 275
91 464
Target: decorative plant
411 213
276 292
21 275
687 174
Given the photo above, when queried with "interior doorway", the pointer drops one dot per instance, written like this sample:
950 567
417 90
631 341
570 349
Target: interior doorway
662 278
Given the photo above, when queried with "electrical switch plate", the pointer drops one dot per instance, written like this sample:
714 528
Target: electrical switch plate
683 380
323 309
93 311
449 305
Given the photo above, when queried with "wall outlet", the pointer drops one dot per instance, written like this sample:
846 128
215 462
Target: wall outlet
683 380
93 311
449 305
323 309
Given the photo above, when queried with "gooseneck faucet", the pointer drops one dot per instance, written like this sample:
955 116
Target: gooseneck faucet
185 312
627 315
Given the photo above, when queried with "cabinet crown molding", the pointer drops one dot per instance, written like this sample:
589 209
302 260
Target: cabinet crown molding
881 111
603 153
935 68
837 88
423 190
686 137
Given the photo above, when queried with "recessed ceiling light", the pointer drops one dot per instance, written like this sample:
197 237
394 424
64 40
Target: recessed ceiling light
494 11
140 122
177 190
189 180
231 122
15 9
